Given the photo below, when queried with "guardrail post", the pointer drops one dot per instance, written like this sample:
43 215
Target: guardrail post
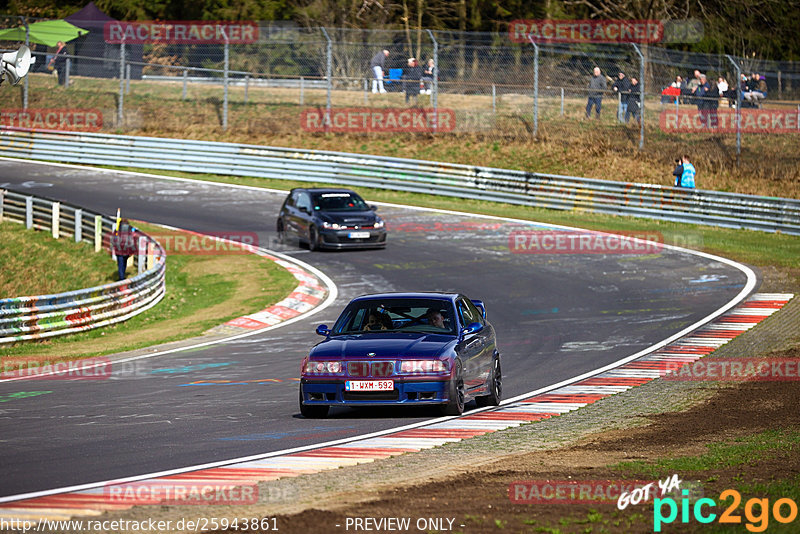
98 233
78 225
55 219
141 260
28 212
151 256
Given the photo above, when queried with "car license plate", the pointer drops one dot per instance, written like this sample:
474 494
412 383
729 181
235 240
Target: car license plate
369 385
358 235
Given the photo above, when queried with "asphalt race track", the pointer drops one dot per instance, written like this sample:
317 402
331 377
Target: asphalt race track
556 315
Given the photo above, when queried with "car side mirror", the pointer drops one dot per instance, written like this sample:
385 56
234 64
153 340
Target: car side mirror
322 330
472 328
373 207
306 209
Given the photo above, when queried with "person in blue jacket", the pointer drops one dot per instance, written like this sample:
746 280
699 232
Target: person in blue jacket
684 173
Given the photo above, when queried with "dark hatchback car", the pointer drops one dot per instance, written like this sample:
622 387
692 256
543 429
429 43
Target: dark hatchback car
330 218
404 349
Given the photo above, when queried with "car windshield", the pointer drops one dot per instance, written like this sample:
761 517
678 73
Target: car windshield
339 201
420 315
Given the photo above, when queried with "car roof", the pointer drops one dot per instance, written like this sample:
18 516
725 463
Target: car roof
406 295
323 190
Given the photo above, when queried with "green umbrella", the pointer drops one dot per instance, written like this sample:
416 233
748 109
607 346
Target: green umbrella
46 32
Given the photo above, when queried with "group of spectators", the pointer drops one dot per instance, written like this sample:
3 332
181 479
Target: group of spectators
628 90
707 94
416 79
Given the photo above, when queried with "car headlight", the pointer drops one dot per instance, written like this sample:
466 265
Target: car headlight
331 226
422 366
323 367
379 223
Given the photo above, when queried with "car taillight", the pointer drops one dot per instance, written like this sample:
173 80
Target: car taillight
322 367
422 366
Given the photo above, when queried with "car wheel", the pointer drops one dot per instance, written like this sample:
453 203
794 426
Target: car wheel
495 386
455 405
313 239
312 412
281 233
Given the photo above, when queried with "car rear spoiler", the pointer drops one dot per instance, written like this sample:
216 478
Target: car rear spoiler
479 304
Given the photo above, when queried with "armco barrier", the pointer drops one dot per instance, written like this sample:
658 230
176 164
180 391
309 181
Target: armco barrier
43 316
484 183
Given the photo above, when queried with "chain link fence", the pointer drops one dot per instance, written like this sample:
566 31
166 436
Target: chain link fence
489 85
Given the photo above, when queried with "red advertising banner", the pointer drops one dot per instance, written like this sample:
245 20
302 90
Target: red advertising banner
81 120
586 31
181 32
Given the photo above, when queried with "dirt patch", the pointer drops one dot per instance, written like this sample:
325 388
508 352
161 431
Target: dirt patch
479 499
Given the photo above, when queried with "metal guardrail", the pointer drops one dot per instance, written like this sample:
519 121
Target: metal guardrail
43 316
770 214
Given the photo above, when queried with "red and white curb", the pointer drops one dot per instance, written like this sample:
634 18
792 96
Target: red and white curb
701 342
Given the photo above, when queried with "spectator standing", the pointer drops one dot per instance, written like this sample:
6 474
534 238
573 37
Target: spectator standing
688 173
621 88
378 66
678 172
59 63
633 97
700 99
596 87
712 104
412 75
427 76
123 245
722 87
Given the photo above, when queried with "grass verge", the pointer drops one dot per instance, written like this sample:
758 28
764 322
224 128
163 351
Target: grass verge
202 292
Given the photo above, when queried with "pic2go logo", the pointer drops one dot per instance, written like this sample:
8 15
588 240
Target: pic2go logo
756 511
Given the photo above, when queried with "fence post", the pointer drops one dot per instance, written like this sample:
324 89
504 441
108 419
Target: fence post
562 101
494 103
27 43
66 72
121 83
225 80
185 81
55 219
28 212
328 68
535 86
738 106
302 86
435 95
127 79
98 233
641 95
366 90
246 86
78 225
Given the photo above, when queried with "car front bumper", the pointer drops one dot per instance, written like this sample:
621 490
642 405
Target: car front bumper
342 239
332 393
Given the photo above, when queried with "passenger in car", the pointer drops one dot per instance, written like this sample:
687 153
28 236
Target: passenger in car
435 318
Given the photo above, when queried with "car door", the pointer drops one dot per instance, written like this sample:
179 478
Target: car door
472 345
287 214
303 214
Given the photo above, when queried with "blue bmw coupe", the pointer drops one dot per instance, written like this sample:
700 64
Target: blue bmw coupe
404 349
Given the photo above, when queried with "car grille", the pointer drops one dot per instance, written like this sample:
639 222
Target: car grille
371 395
373 369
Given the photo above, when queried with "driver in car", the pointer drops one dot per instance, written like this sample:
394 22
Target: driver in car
376 321
435 318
